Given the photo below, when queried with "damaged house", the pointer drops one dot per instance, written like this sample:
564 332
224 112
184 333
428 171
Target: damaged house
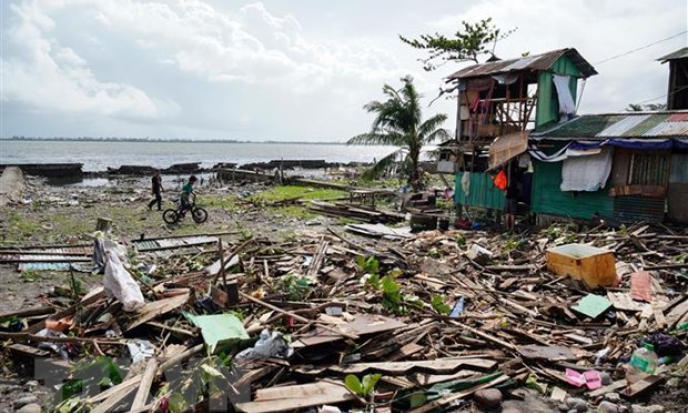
519 116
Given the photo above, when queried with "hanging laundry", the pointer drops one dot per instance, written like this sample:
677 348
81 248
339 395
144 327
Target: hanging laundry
586 173
466 183
500 180
567 107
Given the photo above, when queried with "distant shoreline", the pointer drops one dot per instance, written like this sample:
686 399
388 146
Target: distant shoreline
129 140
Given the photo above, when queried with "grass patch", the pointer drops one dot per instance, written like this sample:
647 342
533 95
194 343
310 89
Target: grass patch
281 193
229 203
294 212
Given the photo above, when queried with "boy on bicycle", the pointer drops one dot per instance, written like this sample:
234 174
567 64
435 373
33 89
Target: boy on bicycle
187 191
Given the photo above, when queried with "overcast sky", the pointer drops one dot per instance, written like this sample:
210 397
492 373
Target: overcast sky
287 70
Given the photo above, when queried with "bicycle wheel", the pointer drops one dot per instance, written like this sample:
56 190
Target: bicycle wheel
199 215
170 216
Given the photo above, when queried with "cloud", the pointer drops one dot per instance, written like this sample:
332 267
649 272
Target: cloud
48 76
599 29
250 46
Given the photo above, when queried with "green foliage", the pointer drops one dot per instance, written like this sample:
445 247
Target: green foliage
470 42
363 388
368 265
434 252
439 305
101 371
31 276
512 244
460 240
650 107
392 299
399 122
682 257
297 288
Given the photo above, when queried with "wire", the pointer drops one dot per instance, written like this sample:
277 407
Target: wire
660 97
640 48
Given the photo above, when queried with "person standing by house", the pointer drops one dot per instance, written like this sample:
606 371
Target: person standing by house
511 205
156 190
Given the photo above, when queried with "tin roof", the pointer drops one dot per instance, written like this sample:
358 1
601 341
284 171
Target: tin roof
679 54
540 62
631 125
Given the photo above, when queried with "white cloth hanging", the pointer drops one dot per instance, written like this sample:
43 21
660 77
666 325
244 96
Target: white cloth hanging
586 173
567 106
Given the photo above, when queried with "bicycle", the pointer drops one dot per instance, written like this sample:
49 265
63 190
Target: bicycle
172 216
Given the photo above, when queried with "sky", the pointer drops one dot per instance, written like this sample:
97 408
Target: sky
289 70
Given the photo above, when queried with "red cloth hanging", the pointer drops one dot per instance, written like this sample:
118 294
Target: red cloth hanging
500 180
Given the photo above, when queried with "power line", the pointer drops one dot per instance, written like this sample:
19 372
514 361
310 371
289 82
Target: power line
640 48
663 96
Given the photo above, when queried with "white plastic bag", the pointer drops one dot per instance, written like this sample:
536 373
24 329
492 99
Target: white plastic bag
118 283
268 345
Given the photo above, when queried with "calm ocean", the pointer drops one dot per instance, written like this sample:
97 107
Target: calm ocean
97 156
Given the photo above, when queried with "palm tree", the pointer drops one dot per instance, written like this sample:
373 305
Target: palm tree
398 122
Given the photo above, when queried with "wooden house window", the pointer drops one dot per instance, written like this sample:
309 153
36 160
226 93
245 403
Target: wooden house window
649 169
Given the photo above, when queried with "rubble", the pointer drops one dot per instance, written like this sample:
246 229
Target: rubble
422 321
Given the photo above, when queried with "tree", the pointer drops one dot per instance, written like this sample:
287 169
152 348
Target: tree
468 44
650 107
398 121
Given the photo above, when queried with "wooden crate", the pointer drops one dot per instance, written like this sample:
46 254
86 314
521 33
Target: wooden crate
594 266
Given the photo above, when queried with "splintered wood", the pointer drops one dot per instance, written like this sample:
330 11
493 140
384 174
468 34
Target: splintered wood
438 314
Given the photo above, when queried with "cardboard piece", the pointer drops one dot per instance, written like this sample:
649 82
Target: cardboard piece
592 306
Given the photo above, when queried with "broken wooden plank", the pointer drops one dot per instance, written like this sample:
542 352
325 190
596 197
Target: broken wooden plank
297 317
548 353
156 308
677 313
486 336
459 395
446 365
611 388
642 386
288 398
144 387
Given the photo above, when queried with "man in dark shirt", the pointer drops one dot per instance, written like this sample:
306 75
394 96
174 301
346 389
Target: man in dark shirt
156 190
511 206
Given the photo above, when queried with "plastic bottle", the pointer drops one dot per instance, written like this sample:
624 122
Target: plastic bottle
642 364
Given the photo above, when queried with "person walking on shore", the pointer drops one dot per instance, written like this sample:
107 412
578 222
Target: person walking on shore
156 190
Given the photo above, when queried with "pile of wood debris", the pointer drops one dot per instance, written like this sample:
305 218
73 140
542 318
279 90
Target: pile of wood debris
333 322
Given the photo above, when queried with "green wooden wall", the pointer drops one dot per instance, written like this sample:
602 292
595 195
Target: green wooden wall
549 199
547 109
482 192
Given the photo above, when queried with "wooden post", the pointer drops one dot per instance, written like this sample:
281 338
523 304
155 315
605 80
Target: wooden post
222 264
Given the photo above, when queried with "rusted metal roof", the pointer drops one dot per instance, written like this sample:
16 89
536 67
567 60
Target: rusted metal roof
631 125
540 62
679 54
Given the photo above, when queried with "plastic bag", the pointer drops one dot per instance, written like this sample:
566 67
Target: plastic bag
118 283
268 345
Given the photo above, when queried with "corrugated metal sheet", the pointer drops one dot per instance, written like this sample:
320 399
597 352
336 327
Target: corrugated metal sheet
540 62
669 129
81 250
632 125
482 193
549 199
633 208
624 125
172 243
43 258
679 54
678 117
43 266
